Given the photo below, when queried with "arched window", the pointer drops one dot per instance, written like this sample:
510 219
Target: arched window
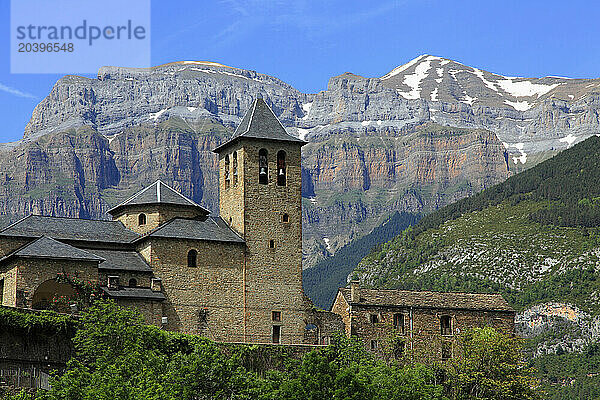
281 170
235 165
142 219
192 258
132 282
263 167
226 171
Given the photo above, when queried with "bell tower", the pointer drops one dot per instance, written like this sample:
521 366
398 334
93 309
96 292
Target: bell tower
260 197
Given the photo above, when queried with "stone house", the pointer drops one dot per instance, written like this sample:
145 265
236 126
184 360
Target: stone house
424 323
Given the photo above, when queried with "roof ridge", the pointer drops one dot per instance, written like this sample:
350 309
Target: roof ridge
179 194
16 222
427 291
136 194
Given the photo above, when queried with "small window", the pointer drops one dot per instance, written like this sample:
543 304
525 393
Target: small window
276 316
235 167
113 282
142 219
374 344
399 322
281 168
446 325
285 218
399 349
271 244
374 318
132 282
227 181
263 167
276 334
192 258
446 351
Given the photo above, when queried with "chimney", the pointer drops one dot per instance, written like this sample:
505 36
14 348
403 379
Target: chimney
155 284
354 292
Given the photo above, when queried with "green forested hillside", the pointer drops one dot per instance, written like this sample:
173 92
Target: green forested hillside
530 237
322 281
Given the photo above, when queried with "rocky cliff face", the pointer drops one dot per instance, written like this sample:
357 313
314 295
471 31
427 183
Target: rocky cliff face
375 143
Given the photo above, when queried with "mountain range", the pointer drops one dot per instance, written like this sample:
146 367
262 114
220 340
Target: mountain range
424 135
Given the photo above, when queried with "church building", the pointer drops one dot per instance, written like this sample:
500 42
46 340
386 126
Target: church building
236 277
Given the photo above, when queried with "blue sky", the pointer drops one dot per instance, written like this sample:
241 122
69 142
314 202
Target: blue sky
306 42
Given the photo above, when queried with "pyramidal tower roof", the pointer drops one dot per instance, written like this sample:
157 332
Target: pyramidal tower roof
260 123
158 193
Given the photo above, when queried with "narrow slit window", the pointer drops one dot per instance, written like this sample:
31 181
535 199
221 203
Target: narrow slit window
374 318
271 244
285 218
281 168
192 258
227 180
263 167
235 167
142 219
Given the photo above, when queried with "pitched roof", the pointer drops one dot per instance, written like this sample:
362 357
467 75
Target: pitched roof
422 299
159 193
211 228
134 293
260 123
46 247
121 260
70 229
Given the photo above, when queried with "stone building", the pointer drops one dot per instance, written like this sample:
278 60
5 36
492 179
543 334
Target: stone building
425 323
236 277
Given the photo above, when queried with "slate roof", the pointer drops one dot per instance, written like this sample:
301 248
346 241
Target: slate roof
133 293
260 123
406 298
159 193
70 229
211 228
46 247
121 260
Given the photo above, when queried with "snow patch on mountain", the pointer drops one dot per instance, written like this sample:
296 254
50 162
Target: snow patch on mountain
468 99
306 108
569 139
414 80
403 67
519 105
525 88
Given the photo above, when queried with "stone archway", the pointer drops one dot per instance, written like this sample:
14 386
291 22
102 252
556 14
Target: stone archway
46 291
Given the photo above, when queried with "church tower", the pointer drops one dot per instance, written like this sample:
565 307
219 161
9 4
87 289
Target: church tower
260 198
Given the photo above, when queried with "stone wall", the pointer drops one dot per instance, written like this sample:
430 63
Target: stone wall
207 300
155 215
422 332
273 274
24 275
